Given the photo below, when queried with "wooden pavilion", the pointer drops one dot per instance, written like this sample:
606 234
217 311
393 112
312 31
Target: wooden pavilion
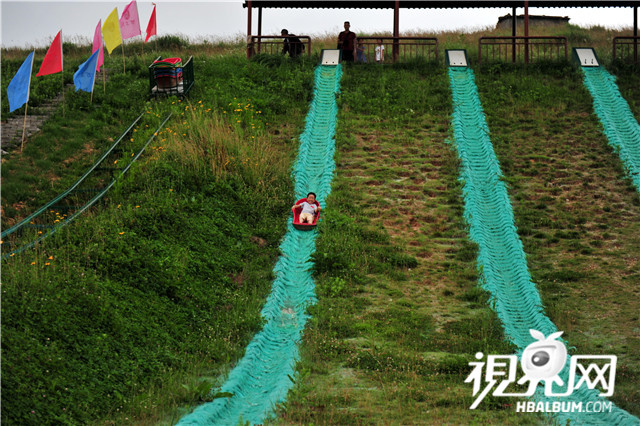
396 5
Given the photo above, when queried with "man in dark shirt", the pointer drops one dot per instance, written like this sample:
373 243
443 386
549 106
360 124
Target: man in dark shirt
347 43
292 44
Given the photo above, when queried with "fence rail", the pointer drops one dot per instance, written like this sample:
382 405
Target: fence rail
395 48
273 44
625 48
522 49
399 48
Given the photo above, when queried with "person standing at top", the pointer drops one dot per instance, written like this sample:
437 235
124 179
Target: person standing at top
360 56
347 43
380 52
292 44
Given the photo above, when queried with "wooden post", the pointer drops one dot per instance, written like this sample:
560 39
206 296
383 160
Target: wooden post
526 31
514 33
249 29
396 30
123 66
62 92
259 27
635 34
24 126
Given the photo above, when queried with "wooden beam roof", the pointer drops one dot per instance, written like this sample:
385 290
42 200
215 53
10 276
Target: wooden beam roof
434 4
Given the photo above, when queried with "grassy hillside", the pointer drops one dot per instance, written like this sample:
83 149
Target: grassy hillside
136 310
400 315
127 309
576 210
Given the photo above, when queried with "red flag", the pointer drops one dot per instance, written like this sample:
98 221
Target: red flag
151 28
52 62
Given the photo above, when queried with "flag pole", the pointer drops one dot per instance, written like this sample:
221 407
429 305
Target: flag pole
93 82
62 72
123 66
24 126
62 93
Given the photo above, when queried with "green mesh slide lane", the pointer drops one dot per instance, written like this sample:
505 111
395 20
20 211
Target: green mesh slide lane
263 376
501 259
620 126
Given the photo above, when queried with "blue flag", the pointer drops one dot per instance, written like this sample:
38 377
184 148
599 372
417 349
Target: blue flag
83 78
18 89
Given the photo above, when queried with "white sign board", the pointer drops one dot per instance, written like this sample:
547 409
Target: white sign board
457 58
330 57
587 57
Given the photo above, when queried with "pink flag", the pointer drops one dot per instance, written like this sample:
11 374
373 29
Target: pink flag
151 28
129 22
97 44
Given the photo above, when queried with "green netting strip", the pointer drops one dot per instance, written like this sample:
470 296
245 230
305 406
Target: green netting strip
262 377
44 208
501 259
91 202
620 126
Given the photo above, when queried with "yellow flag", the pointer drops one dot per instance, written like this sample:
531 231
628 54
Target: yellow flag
111 31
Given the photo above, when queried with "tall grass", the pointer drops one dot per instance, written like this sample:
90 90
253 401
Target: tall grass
210 143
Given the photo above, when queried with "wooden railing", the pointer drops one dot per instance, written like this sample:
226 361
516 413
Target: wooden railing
400 48
626 48
522 49
273 44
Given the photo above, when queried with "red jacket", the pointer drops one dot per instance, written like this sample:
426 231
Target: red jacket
346 40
